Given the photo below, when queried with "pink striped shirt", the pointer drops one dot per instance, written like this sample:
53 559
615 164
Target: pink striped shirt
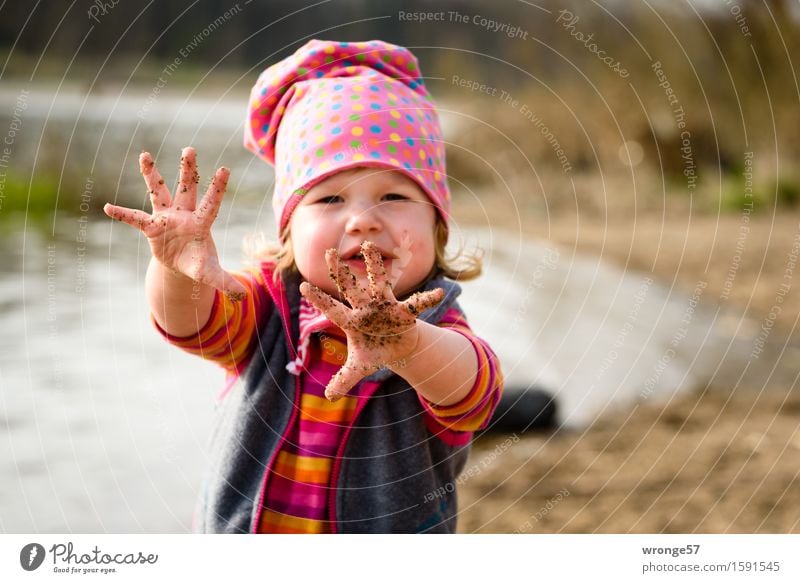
298 488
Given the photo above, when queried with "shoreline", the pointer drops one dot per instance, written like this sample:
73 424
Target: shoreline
718 459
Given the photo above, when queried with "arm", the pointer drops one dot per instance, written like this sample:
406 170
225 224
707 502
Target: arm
229 337
180 305
442 368
184 274
473 412
456 375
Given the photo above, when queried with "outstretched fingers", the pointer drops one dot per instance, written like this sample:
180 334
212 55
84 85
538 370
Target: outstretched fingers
345 281
209 206
422 301
186 195
133 217
376 271
159 193
335 311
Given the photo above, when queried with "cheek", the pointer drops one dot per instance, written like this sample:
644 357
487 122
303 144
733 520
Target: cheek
302 245
305 254
422 255
309 246
424 247
427 255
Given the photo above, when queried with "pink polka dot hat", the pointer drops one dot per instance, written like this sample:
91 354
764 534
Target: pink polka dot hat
337 105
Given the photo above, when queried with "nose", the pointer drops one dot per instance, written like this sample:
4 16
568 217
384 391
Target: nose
364 218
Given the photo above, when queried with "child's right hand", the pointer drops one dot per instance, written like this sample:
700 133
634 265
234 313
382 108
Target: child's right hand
179 233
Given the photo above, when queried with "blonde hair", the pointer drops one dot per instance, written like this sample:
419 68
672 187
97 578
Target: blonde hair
461 266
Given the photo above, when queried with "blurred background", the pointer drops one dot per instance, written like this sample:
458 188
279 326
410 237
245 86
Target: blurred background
630 170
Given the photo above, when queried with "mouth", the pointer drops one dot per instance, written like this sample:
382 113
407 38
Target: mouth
356 256
357 263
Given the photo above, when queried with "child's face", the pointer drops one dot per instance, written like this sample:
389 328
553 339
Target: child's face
365 204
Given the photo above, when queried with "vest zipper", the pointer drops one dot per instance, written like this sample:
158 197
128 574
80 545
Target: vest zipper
284 314
337 461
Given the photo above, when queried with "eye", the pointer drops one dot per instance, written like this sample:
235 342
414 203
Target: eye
328 199
393 196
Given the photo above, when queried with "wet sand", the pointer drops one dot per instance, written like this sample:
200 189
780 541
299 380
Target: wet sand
721 459
712 462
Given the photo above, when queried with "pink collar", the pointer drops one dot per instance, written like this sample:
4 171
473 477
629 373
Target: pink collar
311 321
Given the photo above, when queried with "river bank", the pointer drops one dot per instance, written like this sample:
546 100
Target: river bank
719 459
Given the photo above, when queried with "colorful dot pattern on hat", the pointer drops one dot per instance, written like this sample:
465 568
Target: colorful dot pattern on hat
333 106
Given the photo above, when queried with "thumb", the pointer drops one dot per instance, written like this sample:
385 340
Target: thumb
233 288
227 284
422 301
343 381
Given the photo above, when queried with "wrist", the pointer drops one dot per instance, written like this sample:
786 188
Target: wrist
414 342
443 366
167 274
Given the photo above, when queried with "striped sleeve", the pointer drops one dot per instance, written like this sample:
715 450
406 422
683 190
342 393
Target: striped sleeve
474 411
230 336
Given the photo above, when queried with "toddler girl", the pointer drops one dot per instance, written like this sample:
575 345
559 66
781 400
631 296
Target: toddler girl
355 382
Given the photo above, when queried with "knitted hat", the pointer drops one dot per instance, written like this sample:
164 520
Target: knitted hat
336 105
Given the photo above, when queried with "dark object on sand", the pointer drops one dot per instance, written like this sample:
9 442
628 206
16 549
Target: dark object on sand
522 410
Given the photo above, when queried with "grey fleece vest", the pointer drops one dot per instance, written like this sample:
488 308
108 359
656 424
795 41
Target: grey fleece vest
394 475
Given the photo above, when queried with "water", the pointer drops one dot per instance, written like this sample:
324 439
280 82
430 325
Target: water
597 337
103 426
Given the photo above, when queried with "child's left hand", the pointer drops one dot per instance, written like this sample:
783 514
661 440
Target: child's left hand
381 331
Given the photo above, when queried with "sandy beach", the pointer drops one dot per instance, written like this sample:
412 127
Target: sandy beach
721 459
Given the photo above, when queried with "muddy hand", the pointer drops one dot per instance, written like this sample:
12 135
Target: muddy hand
381 331
178 230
